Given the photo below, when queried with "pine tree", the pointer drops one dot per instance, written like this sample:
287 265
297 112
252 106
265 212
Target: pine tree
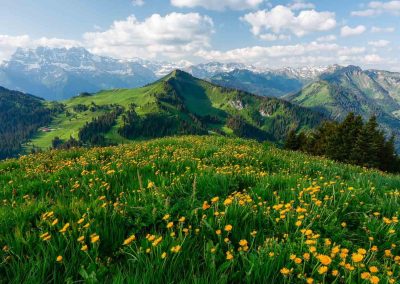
292 142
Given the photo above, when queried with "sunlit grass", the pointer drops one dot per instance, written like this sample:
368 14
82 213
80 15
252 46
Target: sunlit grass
196 209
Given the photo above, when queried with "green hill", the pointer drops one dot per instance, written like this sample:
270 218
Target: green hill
196 210
20 116
177 104
350 89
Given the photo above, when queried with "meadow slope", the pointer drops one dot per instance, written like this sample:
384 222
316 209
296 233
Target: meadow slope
196 210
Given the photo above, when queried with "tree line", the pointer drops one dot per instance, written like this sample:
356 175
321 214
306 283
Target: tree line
20 117
351 141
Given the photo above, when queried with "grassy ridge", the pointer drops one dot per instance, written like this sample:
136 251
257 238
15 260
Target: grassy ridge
182 96
196 209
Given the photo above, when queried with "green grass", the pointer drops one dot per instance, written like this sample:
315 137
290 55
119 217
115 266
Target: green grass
199 98
280 205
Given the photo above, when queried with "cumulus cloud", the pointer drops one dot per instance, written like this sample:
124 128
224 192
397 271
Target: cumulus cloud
8 44
261 53
301 5
347 31
138 2
281 19
379 43
174 35
218 5
313 53
327 38
382 30
379 7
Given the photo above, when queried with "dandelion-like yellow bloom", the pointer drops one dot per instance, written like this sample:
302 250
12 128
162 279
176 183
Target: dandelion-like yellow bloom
81 239
323 269
95 239
163 255
59 258
362 251
65 228
170 225
374 279
129 240
228 228
356 257
218 232
373 269
205 205
285 271
324 259
54 222
365 275
229 255
176 249
215 199
228 201
84 248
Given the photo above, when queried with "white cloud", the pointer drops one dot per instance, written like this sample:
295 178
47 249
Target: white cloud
8 44
379 43
218 5
382 30
347 31
364 13
313 53
138 2
301 5
379 7
260 53
174 35
327 38
282 19
372 59
273 37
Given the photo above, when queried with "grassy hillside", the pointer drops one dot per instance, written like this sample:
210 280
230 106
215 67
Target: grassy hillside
350 89
188 103
196 210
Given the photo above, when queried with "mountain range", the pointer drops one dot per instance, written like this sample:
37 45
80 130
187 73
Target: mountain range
176 104
77 77
60 73
351 89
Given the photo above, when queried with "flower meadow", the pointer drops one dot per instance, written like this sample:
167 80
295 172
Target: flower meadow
196 210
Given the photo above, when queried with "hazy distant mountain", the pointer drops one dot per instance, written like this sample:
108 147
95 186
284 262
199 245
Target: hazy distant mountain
271 84
59 73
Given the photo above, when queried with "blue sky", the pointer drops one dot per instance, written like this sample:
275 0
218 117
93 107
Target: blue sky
260 32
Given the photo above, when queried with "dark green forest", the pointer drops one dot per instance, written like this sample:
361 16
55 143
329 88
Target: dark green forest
20 116
351 141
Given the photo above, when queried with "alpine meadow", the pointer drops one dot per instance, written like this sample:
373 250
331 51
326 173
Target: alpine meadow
199 141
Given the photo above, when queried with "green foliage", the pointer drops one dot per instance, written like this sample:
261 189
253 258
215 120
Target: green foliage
350 141
20 117
115 193
179 104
